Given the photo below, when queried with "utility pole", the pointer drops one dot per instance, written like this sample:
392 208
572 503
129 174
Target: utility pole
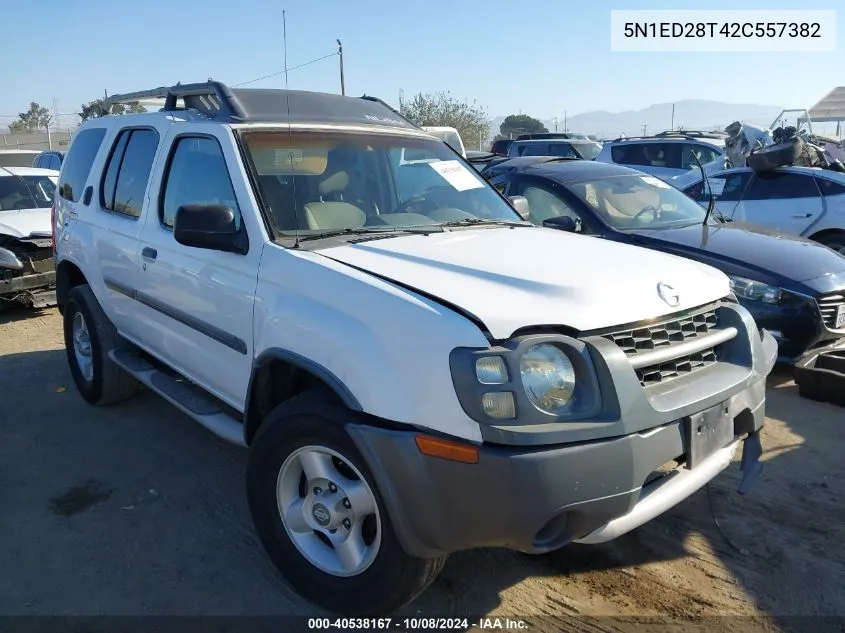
645 129
673 118
564 122
555 124
342 82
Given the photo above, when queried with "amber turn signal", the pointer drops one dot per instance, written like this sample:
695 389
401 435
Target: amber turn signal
446 449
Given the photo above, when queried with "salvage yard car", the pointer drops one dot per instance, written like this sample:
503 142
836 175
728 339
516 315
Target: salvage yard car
667 154
406 390
793 287
27 271
806 201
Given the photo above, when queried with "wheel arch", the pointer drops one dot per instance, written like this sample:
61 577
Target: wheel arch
279 374
818 235
68 276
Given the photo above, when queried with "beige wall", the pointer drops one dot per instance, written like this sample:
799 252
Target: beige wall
34 140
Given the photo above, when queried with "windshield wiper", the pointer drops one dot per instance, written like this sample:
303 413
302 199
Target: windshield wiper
480 221
382 231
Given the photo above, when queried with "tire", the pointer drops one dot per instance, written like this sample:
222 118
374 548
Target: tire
387 577
774 156
835 241
102 382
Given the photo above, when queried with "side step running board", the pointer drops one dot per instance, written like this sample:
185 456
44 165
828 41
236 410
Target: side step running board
204 410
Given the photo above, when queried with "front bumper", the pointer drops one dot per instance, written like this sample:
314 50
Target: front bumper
796 326
28 288
538 499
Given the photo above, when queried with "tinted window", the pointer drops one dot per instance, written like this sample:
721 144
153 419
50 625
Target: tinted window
779 186
692 151
109 182
544 202
734 185
829 187
55 162
80 158
537 149
135 172
197 174
648 154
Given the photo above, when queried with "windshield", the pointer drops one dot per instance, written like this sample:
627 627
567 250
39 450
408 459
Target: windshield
315 182
25 192
630 202
17 159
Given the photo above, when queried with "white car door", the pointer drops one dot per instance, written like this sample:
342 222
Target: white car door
197 303
783 200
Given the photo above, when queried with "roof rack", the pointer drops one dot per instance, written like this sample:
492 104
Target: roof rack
218 102
690 136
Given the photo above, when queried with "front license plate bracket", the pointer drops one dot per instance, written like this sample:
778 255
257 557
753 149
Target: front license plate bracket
706 432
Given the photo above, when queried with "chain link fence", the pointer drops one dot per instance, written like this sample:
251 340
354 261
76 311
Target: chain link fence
35 140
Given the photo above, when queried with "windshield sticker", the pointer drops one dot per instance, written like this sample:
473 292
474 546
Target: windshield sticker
286 157
654 182
456 175
716 185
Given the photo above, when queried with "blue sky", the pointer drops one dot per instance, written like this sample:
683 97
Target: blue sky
541 57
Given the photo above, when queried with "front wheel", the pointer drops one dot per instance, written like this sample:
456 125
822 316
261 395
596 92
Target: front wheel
321 518
835 241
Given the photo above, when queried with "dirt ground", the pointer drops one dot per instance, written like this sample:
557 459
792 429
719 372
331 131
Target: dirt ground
135 509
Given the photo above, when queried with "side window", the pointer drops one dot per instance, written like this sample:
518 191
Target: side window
562 149
692 151
543 202
535 149
731 186
780 186
128 172
830 187
55 163
628 154
196 174
80 158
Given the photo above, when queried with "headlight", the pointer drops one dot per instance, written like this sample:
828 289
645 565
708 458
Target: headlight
755 290
9 260
548 377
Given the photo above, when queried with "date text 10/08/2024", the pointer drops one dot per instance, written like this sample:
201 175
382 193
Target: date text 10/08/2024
416 624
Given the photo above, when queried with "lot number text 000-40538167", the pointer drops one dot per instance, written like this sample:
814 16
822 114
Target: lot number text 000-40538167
723 31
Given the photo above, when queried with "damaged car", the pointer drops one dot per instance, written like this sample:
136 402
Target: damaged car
27 270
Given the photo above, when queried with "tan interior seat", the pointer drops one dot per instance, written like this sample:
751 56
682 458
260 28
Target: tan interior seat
333 214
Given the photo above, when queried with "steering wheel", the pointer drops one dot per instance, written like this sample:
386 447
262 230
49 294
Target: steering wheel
417 204
653 210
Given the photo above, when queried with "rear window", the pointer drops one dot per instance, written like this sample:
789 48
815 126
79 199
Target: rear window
26 192
77 165
648 154
829 187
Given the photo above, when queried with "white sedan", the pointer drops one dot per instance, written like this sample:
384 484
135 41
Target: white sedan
804 201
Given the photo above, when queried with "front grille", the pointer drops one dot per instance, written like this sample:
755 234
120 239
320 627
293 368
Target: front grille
829 305
649 337
655 341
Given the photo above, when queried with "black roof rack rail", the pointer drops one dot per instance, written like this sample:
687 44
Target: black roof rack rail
218 102
690 136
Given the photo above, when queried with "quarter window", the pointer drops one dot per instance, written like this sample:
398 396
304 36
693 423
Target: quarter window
829 187
780 186
128 172
78 163
197 174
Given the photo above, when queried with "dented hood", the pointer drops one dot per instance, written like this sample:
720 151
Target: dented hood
511 278
26 223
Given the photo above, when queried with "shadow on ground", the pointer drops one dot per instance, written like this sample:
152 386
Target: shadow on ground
134 509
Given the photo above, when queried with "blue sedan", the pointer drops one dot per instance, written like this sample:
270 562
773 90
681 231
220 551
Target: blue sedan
793 287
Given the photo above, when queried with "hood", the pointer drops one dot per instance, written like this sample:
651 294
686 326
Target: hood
26 223
752 247
528 276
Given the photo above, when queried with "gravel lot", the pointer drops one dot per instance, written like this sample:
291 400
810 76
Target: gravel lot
135 509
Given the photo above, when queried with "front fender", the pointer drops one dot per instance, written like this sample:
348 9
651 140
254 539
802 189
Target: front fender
385 348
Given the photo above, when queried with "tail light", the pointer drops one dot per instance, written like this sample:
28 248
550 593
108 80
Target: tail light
53 226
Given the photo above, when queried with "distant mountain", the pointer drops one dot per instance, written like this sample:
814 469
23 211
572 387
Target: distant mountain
691 114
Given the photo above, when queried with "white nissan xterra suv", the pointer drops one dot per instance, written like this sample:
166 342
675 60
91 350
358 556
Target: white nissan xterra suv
415 373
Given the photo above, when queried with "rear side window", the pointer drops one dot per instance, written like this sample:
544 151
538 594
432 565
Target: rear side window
731 185
80 158
128 171
648 154
829 187
55 162
197 174
781 186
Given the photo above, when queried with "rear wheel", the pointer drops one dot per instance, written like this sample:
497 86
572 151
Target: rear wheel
89 337
321 518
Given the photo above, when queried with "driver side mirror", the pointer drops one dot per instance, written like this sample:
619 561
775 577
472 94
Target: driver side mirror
520 205
209 226
562 223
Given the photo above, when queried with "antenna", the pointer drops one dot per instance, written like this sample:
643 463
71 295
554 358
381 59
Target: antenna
290 132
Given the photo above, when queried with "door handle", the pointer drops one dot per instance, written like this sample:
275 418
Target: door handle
801 216
149 253
86 197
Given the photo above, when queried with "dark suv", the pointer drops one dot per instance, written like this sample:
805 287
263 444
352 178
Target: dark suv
49 160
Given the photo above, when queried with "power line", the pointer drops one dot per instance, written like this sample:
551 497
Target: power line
282 72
